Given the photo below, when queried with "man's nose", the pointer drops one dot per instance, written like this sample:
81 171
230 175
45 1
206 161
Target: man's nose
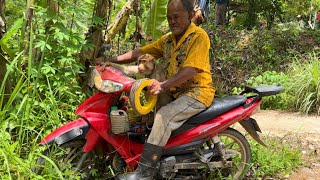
171 21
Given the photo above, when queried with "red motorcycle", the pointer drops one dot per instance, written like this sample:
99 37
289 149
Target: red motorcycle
204 147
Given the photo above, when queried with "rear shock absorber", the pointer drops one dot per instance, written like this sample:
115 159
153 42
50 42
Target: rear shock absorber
219 148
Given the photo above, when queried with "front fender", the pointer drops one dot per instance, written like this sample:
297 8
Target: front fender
76 129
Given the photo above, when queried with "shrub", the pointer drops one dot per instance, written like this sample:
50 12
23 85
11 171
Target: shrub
279 101
305 84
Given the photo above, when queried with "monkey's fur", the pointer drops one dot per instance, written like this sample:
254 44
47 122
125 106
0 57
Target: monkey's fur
147 66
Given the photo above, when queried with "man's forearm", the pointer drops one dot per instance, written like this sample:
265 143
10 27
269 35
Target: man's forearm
126 57
184 75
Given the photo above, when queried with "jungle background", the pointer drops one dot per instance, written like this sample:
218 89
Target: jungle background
48 46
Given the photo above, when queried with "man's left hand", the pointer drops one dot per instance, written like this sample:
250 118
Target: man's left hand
155 87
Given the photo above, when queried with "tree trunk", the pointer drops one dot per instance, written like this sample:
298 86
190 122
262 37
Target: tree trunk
25 34
139 33
53 9
220 12
95 36
95 32
3 61
120 20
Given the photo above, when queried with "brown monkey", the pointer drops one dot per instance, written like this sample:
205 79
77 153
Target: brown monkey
148 67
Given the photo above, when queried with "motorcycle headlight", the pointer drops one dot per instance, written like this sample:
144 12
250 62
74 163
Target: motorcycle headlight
106 86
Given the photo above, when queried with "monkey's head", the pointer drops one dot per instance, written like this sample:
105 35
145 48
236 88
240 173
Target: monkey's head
146 64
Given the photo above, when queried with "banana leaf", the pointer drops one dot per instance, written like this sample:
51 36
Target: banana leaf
155 18
7 36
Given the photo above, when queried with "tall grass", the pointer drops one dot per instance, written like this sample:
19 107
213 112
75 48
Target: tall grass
32 110
278 159
24 119
305 83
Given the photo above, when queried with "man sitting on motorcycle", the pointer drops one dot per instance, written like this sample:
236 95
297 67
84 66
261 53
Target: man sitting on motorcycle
185 51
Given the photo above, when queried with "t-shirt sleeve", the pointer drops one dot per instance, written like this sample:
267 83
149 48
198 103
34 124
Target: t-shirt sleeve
155 49
198 54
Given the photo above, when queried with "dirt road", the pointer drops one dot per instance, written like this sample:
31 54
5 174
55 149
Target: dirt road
284 121
307 128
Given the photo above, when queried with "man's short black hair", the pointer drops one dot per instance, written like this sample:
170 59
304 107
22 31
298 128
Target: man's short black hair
187 4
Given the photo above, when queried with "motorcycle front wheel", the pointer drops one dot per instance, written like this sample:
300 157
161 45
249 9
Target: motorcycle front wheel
235 148
68 158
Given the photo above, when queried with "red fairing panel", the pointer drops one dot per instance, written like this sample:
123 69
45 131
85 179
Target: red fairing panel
93 139
129 150
63 129
98 103
113 74
214 126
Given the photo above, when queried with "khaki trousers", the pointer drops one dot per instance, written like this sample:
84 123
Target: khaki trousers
171 117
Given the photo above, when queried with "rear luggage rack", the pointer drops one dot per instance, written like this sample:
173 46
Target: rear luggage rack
262 90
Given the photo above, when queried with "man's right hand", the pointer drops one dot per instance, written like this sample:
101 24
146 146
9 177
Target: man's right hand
103 62
103 66
100 60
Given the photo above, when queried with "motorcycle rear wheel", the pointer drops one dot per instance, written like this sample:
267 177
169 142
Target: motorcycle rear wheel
236 149
68 156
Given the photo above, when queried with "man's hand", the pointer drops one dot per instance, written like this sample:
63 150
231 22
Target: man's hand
100 60
103 66
155 87
103 61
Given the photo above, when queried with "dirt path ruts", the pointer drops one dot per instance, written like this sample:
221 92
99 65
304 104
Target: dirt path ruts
294 122
306 128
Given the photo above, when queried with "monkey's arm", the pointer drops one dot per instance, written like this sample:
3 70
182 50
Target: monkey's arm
128 70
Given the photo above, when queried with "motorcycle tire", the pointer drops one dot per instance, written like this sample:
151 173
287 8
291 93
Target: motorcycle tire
68 156
237 150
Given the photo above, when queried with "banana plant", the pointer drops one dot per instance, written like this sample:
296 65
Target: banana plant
155 18
8 35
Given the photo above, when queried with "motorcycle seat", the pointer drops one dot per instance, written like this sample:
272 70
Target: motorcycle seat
219 106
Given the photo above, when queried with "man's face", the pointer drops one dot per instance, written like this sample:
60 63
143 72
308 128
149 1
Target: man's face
178 18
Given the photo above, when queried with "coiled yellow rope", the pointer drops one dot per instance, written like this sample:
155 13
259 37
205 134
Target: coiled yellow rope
142 106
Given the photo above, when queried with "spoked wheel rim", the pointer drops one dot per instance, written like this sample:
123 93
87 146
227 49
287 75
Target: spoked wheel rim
237 150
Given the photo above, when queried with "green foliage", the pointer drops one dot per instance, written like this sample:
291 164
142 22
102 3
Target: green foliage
301 83
278 157
155 18
240 55
305 83
24 118
46 90
3 42
268 9
301 9
257 13
279 101
272 48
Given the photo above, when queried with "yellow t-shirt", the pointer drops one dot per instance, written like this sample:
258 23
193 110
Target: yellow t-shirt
192 50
